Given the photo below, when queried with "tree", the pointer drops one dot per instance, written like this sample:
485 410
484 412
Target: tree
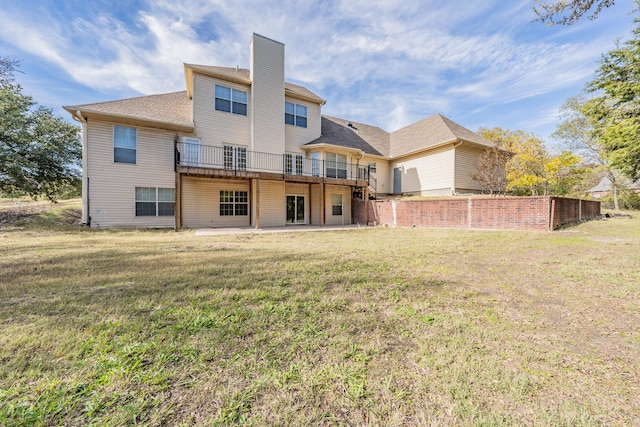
563 173
569 12
531 171
615 111
577 131
39 153
7 68
490 170
525 170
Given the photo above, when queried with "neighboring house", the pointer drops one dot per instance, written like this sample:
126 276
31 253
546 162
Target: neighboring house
246 148
603 188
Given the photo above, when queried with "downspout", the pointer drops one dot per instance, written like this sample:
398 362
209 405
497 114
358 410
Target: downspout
86 218
453 188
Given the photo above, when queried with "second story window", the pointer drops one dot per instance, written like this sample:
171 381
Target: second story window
124 144
293 164
295 114
231 100
235 157
336 165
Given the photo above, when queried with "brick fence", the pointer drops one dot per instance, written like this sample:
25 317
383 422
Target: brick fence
498 213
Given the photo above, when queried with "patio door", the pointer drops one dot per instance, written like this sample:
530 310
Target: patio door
397 180
295 210
191 152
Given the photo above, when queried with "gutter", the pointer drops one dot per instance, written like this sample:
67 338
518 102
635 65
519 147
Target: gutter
86 218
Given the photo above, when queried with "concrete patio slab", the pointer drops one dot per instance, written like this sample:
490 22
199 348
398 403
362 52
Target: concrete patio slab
266 230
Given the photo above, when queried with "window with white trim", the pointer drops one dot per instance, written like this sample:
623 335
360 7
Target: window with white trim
336 165
293 164
235 158
152 201
295 114
315 163
336 204
191 151
230 100
234 203
125 143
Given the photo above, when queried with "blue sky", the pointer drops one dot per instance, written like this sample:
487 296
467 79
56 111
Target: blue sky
381 62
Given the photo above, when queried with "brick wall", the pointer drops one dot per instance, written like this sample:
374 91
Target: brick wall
499 213
569 210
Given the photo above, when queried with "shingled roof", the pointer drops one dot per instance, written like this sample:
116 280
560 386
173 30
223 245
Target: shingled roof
164 110
430 132
242 75
344 133
427 133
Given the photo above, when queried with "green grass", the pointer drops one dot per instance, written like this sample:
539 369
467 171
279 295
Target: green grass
360 327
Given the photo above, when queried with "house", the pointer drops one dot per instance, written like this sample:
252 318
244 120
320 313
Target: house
243 148
603 188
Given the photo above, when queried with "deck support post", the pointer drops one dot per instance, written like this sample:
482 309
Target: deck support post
177 210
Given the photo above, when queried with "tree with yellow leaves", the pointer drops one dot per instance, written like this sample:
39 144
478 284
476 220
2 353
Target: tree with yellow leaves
531 171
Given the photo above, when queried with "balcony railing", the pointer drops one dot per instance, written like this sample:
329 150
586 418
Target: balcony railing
239 159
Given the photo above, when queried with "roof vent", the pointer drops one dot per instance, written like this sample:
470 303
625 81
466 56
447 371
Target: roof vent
349 124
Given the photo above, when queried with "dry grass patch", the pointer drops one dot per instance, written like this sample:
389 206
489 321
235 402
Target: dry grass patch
359 327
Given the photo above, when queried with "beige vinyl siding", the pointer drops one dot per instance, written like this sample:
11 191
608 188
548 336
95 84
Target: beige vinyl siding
466 158
295 136
112 185
345 191
267 95
272 203
383 173
214 127
201 202
428 173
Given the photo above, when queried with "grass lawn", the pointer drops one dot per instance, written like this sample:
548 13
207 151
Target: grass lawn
361 327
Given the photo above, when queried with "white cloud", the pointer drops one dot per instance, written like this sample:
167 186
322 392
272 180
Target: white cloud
384 61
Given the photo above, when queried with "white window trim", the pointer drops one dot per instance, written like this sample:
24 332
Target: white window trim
233 203
333 205
191 155
304 197
344 165
238 161
231 111
113 143
297 164
156 201
295 115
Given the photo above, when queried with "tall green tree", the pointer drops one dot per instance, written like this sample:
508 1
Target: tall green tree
577 131
569 12
40 153
615 110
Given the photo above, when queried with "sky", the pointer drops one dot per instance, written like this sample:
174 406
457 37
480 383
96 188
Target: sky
381 62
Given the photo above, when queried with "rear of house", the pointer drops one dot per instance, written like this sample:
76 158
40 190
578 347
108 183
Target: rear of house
243 147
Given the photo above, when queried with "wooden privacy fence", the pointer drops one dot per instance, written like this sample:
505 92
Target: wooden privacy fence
498 213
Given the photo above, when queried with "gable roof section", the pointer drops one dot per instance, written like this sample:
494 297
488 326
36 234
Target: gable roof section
431 132
242 76
434 131
169 110
369 139
605 184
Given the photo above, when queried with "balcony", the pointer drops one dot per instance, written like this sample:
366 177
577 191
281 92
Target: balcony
238 162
